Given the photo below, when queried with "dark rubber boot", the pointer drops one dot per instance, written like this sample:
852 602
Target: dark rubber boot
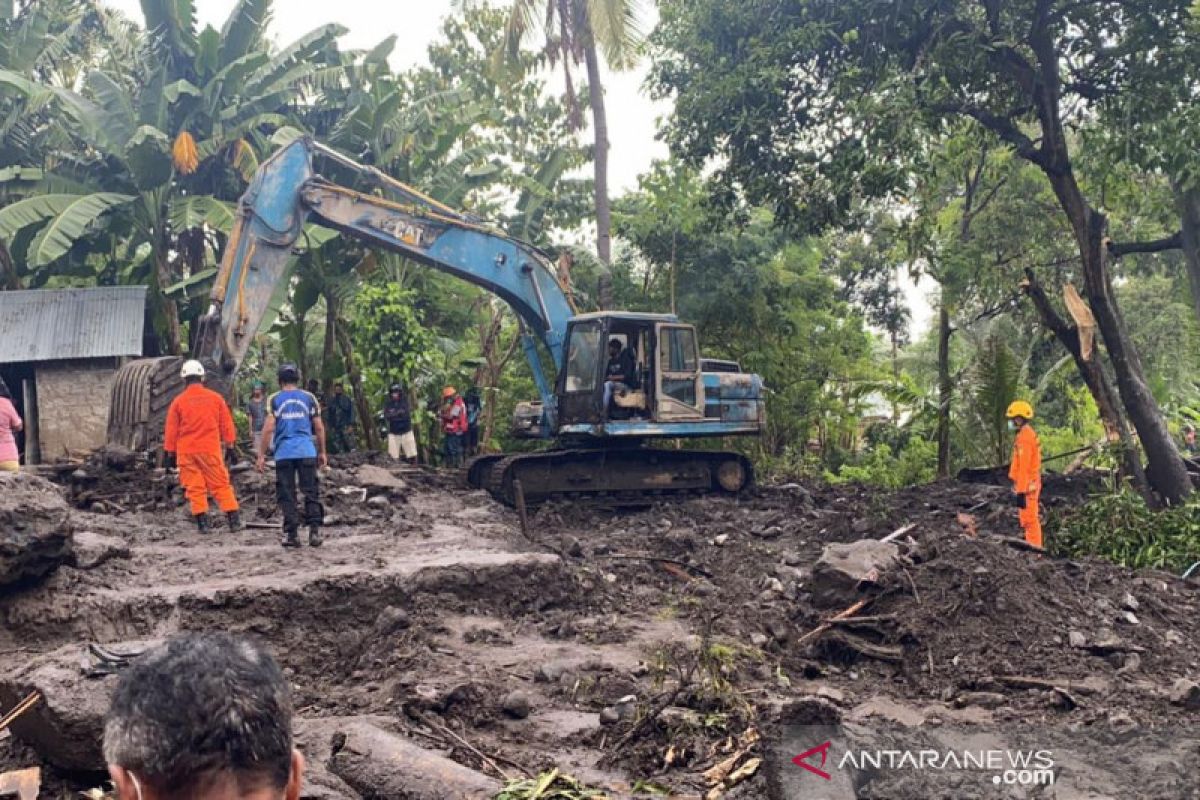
314 536
234 520
202 523
290 539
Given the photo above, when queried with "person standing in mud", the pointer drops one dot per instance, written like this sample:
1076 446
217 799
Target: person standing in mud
454 426
341 420
256 410
474 404
400 439
10 425
297 434
1026 470
199 429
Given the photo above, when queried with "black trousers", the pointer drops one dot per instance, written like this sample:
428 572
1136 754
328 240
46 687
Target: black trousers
286 473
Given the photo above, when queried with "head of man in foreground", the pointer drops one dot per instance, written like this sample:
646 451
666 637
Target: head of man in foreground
204 716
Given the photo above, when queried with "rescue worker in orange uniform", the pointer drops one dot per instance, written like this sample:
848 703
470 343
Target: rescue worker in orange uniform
199 425
1026 470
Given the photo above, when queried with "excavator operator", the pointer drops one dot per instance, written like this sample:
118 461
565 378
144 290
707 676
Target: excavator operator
198 424
1026 470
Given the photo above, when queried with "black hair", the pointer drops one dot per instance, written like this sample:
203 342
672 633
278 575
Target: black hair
199 707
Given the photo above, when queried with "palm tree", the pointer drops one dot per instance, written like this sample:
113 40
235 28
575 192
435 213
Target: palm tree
574 32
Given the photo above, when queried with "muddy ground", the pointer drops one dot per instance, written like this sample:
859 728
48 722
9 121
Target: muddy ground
656 650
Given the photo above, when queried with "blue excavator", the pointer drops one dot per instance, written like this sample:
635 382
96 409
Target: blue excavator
603 439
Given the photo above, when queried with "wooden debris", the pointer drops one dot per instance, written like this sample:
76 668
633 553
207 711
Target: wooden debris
896 534
24 783
849 612
879 652
31 700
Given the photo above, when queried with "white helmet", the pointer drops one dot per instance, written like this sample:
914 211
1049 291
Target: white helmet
192 369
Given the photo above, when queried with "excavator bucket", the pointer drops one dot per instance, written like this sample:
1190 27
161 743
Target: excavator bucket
142 391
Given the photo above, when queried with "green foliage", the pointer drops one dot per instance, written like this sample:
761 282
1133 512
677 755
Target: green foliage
551 785
880 466
997 384
393 342
1120 528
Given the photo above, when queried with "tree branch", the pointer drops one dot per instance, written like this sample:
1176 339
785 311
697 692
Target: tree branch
1172 242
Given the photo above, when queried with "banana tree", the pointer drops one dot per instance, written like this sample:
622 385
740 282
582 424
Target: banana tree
155 148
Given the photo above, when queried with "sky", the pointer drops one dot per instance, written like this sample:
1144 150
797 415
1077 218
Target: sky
633 118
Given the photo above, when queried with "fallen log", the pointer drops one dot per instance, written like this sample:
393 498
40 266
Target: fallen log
880 652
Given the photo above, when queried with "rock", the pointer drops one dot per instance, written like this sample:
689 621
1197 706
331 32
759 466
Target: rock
35 529
379 501
376 763
861 526
721 539
390 620
1132 663
1173 637
841 567
626 707
1122 724
1076 639
516 705
792 559
982 699
674 717
1129 602
572 547
377 480
91 550
773 585
67 726
759 639
831 694
1129 617
1186 693
609 716
116 457
550 672
773 532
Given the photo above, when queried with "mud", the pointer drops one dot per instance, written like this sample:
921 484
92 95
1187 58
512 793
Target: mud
650 647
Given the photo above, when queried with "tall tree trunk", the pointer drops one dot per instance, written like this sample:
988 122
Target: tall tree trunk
604 289
172 336
1165 469
1092 372
356 385
8 270
1188 202
945 390
328 349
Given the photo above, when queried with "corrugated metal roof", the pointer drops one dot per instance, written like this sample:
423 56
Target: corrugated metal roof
54 324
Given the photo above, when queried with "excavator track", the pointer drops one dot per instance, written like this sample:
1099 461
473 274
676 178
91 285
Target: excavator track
624 476
142 391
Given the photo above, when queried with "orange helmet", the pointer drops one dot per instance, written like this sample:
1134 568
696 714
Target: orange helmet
448 392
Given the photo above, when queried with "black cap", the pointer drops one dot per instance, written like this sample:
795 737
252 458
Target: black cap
288 373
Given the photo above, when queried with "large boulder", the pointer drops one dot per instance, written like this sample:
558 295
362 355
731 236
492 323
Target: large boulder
35 529
842 568
66 727
378 481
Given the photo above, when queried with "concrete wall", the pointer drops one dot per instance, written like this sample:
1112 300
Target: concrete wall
72 401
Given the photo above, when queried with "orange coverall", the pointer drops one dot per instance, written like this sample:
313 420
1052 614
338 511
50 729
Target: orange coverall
198 421
1026 475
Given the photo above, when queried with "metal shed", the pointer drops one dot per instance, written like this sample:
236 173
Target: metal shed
59 350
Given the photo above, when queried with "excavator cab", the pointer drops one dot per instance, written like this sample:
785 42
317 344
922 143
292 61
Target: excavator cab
666 383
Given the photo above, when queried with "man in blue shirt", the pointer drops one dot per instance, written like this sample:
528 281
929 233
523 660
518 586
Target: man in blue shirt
297 435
